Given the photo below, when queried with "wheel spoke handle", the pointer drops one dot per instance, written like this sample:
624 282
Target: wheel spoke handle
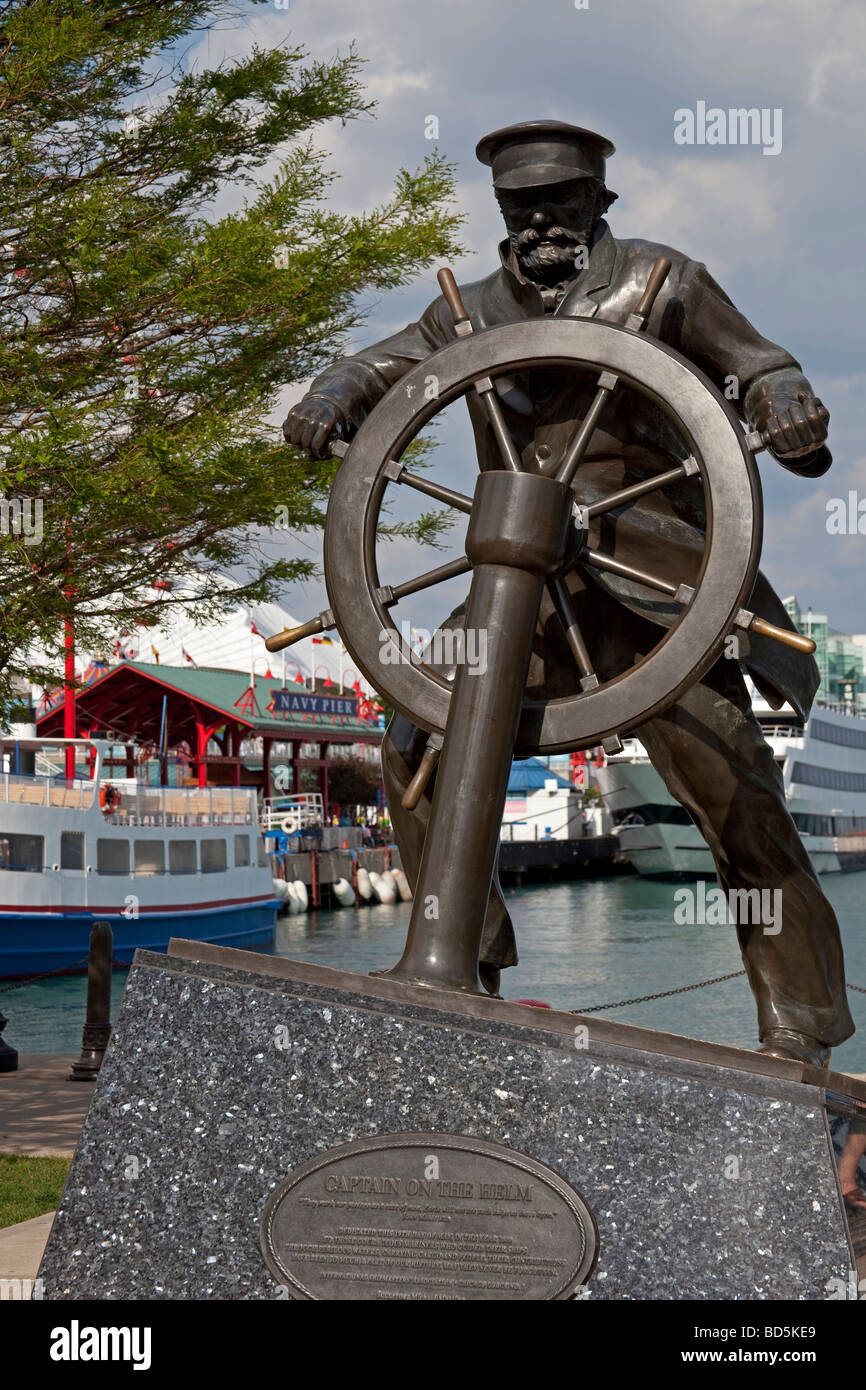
484 386
289 635
416 788
750 622
745 620
387 595
637 319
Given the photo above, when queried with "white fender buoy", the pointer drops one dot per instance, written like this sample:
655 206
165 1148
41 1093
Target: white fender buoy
343 892
301 894
281 889
402 883
383 888
365 886
292 900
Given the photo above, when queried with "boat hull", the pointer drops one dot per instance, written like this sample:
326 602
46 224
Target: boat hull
41 943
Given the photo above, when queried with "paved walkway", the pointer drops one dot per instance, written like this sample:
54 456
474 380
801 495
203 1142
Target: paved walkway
40 1111
21 1247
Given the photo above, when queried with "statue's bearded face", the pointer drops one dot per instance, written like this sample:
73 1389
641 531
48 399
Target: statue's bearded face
547 225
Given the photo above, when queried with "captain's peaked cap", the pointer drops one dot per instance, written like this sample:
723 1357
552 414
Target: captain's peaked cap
535 153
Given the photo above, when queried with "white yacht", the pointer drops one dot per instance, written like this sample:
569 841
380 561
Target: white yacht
824 768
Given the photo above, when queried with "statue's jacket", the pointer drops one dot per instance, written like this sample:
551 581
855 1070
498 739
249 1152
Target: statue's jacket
663 532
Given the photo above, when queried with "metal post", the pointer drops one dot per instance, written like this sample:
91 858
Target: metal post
314 879
8 1055
517 537
97 1027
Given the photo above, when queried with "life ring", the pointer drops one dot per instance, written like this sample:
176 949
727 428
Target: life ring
109 799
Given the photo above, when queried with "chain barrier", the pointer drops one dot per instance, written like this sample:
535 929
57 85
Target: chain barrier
49 974
683 989
116 963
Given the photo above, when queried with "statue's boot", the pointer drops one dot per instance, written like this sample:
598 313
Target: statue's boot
795 1047
402 749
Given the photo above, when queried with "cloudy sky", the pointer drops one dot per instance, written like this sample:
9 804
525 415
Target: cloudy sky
782 233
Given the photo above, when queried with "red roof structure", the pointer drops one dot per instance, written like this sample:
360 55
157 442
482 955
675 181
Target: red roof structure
166 706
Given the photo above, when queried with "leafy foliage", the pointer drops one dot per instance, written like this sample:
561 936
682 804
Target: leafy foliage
144 338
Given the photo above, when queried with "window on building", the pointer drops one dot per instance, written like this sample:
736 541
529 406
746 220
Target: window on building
836 779
242 851
112 856
182 857
22 853
840 734
213 856
72 849
149 857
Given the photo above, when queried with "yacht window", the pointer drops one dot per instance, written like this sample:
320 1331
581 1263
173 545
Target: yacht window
182 857
263 856
112 856
242 851
149 857
23 853
72 849
213 856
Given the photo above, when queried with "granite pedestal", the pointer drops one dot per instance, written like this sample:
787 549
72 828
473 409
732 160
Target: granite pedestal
708 1171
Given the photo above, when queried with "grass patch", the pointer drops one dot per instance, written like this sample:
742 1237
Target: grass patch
29 1186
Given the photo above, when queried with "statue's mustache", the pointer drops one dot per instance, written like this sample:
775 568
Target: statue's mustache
530 237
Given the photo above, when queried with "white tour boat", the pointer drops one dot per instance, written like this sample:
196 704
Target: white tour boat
155 862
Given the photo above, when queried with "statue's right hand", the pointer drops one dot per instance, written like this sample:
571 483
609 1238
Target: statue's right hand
311 425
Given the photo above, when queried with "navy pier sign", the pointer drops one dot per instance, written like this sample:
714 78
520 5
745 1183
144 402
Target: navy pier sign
297 702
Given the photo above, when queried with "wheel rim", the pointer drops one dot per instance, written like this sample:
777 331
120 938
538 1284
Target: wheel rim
708 427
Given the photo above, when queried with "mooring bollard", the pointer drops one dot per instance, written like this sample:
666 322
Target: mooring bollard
8 1055
97 1025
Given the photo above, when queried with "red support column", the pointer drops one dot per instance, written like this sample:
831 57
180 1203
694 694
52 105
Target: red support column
69 691
202 733
323 778
296 765
130 760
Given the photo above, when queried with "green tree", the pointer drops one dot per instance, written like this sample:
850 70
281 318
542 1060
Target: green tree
353 781
144 338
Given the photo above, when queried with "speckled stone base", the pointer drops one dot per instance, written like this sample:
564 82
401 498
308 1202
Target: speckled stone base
707 1181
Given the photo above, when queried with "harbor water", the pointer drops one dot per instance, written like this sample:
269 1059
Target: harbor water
582 943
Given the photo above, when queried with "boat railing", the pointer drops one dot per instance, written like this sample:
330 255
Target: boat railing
184 806
841 707
293 812
47 791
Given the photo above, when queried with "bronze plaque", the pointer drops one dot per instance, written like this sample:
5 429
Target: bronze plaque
427 1216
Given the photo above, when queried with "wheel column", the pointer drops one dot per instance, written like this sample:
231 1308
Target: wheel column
517 537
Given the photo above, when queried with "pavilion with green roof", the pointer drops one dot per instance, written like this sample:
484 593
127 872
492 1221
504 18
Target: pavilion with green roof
162 707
